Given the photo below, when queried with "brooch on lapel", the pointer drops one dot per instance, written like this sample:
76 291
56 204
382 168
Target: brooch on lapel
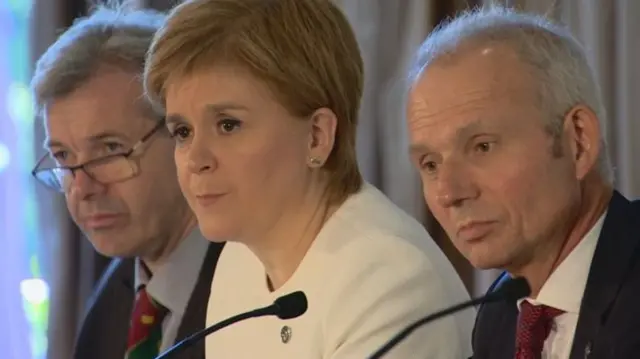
285 334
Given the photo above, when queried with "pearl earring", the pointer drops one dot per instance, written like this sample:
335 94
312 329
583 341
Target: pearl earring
315 161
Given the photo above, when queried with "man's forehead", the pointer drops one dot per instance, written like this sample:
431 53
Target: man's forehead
428 108
441 86
451 95
108 88
490 66
89 127
97 125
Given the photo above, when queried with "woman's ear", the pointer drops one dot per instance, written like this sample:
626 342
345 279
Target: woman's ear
322 136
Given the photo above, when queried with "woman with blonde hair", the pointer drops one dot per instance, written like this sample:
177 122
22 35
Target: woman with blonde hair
262 99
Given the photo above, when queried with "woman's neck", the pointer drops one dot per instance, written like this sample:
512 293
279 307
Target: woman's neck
283 248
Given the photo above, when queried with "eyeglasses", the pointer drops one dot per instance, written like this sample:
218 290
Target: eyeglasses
104 170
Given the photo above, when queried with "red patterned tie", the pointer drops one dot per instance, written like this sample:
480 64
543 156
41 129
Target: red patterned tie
145 330
534 324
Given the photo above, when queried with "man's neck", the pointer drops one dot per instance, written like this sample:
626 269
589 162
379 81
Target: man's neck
547 258
183 230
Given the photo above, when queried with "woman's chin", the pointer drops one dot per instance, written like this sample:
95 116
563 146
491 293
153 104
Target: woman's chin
217 232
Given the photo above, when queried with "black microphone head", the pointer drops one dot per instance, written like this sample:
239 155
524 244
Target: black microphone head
291 305
513 289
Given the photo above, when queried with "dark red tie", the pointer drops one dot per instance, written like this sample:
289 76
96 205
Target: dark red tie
534 325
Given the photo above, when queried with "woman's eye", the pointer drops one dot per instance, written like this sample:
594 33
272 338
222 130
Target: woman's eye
180 133
228 125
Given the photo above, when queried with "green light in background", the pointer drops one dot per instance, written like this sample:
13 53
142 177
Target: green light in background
20 105
34 265
21 8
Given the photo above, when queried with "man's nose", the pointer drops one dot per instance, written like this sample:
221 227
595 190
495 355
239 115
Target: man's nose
454 185
84 186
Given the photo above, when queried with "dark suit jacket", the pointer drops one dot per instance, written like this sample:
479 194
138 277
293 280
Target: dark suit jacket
103 334
609 320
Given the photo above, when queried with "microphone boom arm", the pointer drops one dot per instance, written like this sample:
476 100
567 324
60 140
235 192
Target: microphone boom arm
187 342
288 306
417 324
511 290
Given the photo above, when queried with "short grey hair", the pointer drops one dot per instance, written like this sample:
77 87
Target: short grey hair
112 34
558 60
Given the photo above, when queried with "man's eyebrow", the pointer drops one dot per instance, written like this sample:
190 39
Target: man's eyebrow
106 135
462 132
468 129
49 143
418 148
99 137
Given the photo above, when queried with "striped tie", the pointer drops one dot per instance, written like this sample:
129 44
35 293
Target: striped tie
145 330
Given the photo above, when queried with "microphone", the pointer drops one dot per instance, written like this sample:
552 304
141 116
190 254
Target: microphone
288 306
510 291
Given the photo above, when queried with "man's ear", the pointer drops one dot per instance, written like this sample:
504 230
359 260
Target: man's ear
582 128
322 136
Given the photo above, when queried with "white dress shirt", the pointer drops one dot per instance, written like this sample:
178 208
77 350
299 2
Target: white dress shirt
564 290
173 282
371 271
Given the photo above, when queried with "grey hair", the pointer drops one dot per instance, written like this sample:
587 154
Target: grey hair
558 60
112 34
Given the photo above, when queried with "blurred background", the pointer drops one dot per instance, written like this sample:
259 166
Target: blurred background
47 270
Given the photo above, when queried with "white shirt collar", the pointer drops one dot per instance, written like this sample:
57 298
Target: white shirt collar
173 282
572 273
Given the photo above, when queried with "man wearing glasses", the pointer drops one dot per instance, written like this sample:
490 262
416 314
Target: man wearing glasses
110 155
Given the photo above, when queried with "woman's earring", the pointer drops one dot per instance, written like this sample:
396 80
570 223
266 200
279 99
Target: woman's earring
315 161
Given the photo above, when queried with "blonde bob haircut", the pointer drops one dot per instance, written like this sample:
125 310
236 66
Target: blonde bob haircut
304 50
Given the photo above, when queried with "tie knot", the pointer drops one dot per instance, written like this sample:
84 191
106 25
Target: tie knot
147 300
534 325
146 309
535 314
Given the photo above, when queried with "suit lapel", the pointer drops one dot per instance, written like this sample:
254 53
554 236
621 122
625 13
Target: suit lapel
501 329
494 332
108 311
195 315
613 255
508 323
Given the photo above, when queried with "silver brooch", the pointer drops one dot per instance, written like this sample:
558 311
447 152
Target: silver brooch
285 334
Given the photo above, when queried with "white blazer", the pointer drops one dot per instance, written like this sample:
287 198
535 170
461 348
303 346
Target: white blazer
371 271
